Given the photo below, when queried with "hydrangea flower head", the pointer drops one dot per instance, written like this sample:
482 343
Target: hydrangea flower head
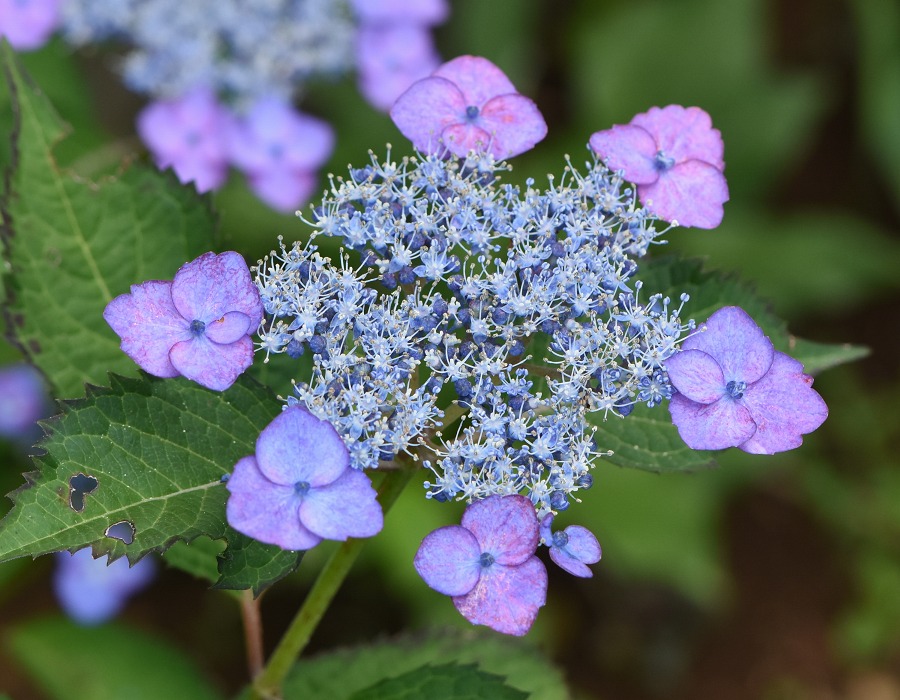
91 590
674 156
23 400
27 24
299 487
280 150
468 104
571 549
487 564
197 326
736 390
188 135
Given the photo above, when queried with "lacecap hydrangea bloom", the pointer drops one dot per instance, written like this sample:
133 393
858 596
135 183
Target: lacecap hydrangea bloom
197 326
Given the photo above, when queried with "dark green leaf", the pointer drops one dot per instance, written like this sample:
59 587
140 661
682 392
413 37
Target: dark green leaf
445 682
248 563
198 558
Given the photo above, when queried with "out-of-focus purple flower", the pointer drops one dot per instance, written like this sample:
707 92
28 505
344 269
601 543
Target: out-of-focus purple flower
199 325
299 487
571 549
487 564
736 390
674 156
27 24
280 150
90 591
189 135
421 12
392 57
23 401
468 104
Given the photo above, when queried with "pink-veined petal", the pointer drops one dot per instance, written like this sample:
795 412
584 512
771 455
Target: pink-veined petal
506 598
630 149
296 446
212 285
784 406
265 511
344 508
229 328
715 426
448 560
506 527
515 122
425 109
736 343
212 365
692 193
459 139
149 325
683 133
477 79
696 375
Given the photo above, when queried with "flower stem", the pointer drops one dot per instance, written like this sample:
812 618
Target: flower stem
252 632
268 683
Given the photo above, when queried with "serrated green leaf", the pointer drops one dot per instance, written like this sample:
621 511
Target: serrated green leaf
73 244
248 563
198 558
104 663
340 674
444 682
158 449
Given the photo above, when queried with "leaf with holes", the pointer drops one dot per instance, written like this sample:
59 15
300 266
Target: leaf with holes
72 245
149 453
248 563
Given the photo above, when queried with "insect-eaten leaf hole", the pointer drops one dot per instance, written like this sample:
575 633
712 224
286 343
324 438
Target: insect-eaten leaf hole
80 486
122 530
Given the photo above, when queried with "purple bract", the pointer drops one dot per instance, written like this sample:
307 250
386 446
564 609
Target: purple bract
280 150
27 24
188 135
299 487
487 564
736 390
393 12
468 104
674 156
571 549
198 326
23 401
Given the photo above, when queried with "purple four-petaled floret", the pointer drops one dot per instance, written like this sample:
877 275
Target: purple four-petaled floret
299 487
487 564
572 549
736 390
198 326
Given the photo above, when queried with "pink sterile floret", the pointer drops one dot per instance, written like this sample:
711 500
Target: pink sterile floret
674 156
280 150
299 487
487 564
736 390
198 326
571 549
468 104
189 135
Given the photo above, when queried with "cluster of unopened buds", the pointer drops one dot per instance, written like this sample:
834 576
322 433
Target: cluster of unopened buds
470 327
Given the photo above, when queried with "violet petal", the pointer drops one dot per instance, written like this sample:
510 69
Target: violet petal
425 109
283 190
344 508
448 560
229 328
477 79
506 527
515 123
715 426
734 340
696 375
691 193
211 285
683 133
630 149
459 139
212 365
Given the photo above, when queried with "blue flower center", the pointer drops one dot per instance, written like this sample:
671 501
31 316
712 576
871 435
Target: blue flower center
560 539
471 113
301 488
198 327
735 389
276 151
486 559
663 162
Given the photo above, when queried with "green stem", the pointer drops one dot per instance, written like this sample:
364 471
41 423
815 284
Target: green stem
268 683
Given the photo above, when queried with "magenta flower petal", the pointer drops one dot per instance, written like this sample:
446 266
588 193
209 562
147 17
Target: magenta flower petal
580 549
683 133
462 138
212 285
149 325
714 426
506 598
28 25
425 109
736 343
448 560
515 123
298 447
344 508
691 193
696 375
283 190
506 527
209 364
628 148
229 328
477 79
784 406
265 511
